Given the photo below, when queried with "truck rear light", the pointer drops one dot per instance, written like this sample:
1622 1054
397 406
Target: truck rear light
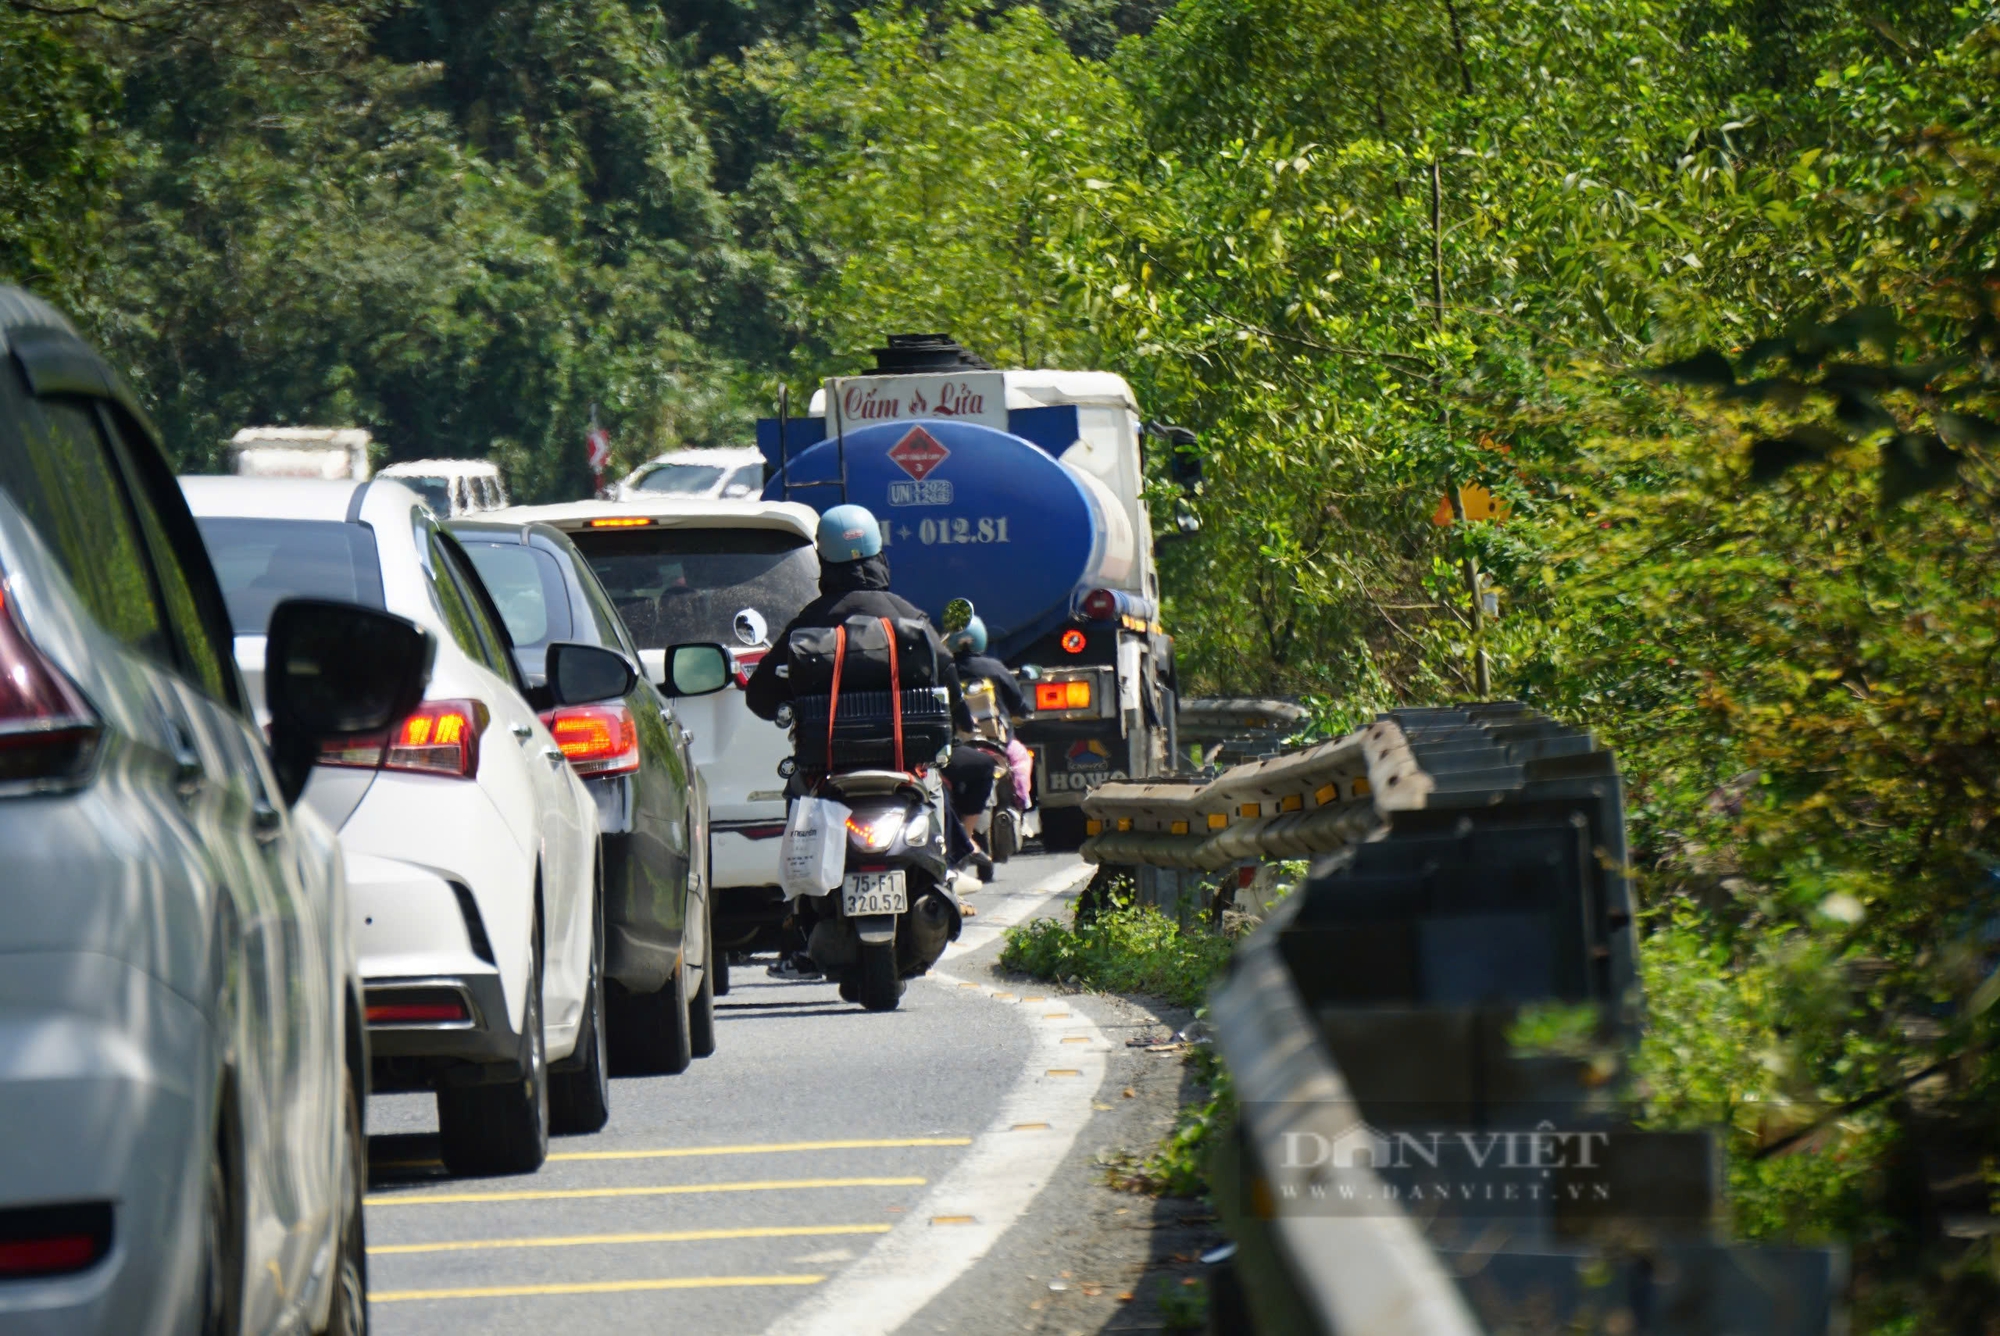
597 739
1073 641
1073 695
41 1241
440 737
48 735
1099 605
743 662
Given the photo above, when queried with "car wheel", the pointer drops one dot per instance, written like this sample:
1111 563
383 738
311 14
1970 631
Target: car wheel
881 987
580 1096
503 1128
221 1247
701 1007
349 1314
649 1031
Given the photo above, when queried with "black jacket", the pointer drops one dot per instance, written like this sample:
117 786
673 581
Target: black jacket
847 589
972 667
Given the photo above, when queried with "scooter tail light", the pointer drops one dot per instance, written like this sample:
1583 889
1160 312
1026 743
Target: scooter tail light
876 832
597 739
48 734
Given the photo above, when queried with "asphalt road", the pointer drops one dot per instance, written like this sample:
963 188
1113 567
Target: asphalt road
828 1170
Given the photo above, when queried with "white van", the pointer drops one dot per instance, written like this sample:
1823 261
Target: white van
452 488
734 573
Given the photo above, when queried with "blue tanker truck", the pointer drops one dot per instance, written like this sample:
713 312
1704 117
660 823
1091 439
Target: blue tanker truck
1019 490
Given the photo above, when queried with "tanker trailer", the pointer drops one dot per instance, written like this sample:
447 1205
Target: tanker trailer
989 487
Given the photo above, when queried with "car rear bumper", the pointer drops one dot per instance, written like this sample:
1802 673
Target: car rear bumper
745 852
421 932
103 1100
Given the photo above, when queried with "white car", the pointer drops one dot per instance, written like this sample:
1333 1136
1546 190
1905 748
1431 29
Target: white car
471 845
728 572
452 487
729 473
182 1060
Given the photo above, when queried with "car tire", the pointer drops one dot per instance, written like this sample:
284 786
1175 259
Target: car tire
881 986
701 1007
649 1031
718 968
221 1292
580 1094
502 1128
348 1315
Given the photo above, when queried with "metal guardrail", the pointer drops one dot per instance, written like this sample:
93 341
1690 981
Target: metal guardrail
1468 891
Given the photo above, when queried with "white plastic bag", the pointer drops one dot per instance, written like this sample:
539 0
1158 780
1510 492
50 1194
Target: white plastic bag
814 856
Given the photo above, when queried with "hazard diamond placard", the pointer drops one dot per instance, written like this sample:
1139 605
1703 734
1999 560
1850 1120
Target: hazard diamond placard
918 453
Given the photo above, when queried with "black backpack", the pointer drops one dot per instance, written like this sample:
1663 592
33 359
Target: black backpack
866 695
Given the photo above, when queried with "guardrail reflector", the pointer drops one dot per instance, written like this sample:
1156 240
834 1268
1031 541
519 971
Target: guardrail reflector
1326 793
1361 789
1093 827
1124 823
1217 820
1179 827
1249 809
1291 802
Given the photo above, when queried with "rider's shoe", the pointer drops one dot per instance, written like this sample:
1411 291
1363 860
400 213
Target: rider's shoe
797 966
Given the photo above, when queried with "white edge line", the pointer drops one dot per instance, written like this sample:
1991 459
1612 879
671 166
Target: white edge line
996 1180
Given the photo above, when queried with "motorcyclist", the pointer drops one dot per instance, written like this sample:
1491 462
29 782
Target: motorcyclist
853 582
968 647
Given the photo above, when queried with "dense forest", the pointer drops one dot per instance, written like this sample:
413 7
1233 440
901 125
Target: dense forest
1703 292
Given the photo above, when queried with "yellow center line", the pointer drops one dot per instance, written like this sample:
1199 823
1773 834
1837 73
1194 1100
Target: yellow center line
591 1287
664 1236
664 1190
767 1148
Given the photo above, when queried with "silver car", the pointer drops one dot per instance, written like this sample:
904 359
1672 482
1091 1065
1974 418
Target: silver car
182 1052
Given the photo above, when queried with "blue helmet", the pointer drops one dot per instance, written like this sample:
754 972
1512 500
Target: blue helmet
972 638
848 533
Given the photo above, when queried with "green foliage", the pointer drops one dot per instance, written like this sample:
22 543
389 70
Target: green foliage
1178 1166
1133 949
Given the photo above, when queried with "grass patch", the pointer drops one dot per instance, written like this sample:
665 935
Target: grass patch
1133 949
1179 1167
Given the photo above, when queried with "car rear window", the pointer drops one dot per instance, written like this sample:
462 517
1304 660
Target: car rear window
681 479
677 585
527 585
262 562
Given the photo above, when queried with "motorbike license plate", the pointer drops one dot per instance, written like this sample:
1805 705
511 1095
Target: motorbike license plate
874 893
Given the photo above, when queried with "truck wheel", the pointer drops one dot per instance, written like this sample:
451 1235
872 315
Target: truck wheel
1062 829
649 1031
701 1007
502 1129
881 988
580 1096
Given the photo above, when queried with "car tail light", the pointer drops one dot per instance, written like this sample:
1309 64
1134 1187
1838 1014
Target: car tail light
1074 695
597 739
1099 605
1073 641
48 735
418 1006
743 662
440 737
39 1241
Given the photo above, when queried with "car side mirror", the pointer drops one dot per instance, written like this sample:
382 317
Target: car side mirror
582 674
696 670
335 671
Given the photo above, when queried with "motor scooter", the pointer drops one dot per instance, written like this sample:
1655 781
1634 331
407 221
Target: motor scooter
894 911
